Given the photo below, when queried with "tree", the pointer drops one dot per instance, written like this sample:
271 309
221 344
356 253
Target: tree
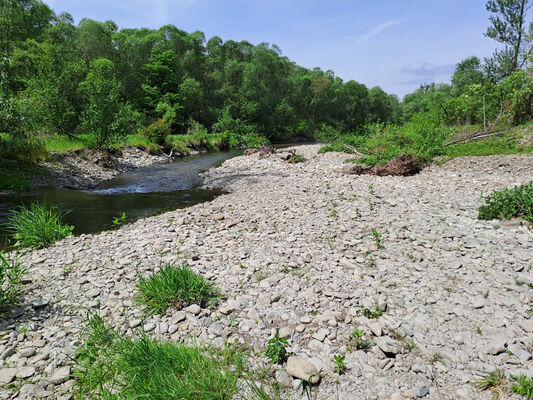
105 116
508 27
468 72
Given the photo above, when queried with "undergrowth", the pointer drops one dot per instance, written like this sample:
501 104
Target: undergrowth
38 226
509 203
175 287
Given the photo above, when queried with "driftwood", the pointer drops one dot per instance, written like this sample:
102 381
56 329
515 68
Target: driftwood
400 166
354 150
477 136
263 151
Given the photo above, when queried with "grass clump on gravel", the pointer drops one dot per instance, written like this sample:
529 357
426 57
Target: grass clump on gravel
38 226
11 274
509 203
175 286
109 366
523 385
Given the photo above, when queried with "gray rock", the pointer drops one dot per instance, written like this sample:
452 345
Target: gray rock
388 345
25 372
302 369
7 375
60 376
498 344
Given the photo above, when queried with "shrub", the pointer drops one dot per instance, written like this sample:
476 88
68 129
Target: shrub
23 149
10 280
38 226
109 366
327 134
175 286
509 203
157 131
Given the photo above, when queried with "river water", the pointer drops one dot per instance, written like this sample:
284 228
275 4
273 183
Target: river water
139 193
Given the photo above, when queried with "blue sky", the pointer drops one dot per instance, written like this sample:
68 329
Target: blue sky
395 44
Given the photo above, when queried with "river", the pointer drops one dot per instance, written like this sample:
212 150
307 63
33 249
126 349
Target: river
139 193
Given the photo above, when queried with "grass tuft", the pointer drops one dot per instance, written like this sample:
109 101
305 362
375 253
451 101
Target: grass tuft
509 203
175 287
38 226
11 275
523 386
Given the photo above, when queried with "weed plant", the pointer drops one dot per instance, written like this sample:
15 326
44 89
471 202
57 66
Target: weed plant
175 287
509 203
276 349
38 226
357 340
339 364
11 274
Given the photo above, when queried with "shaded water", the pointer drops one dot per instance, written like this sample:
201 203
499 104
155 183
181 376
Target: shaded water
140 193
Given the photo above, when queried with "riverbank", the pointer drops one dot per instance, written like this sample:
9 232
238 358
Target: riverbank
306 249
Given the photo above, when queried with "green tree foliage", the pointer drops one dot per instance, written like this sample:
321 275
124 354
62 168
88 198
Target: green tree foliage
508 26
104 115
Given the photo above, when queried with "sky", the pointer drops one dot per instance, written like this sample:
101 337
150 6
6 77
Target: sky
395 44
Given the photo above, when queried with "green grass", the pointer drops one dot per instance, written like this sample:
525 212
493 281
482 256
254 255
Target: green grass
500 145
11 274
61 143
175 287
38 226
493 381
110 366
12 179
509 203
523 386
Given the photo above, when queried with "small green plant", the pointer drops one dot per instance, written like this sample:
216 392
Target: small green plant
175 287
523 385
509 203
378 238
493 381
408 344
357 340
334 213
339 364
38 226
296 158
436 357
120 221
370 314
371 189
11 274
276 349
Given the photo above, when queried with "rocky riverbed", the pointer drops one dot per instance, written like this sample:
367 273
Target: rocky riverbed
313 252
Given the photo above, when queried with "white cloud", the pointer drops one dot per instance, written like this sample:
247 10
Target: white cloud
376 30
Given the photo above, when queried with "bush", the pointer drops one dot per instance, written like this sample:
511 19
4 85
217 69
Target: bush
157 131
327 134
109 366
38 226
10 280
509 203
175 286
25 149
